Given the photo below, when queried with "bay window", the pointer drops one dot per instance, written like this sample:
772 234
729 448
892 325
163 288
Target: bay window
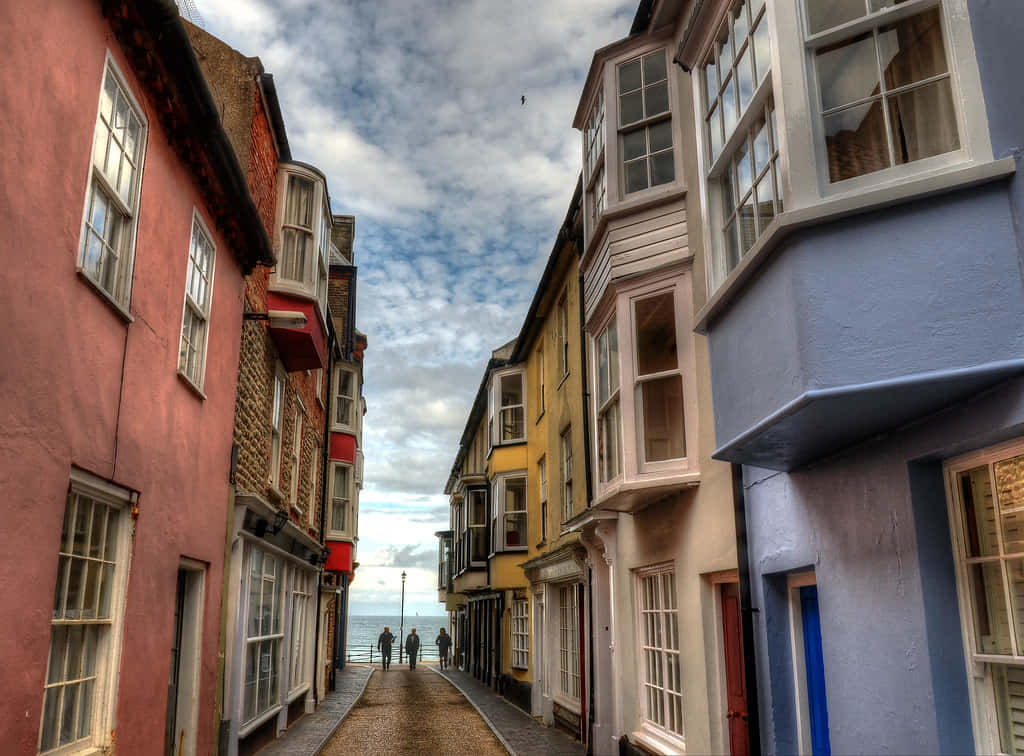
563 336
88 611
477 526
304 240
658 380
460 537
342 514
593 149
609 418
508 405
509 517
345 391
107 249
196 316
299 669
645 122
741 137
884 84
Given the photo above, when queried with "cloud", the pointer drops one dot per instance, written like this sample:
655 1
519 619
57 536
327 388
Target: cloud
406 557
412 109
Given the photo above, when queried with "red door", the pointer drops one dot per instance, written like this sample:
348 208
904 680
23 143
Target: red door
735 679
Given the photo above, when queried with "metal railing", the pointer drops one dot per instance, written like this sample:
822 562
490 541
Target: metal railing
370 654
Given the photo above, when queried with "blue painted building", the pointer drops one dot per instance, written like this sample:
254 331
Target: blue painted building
862 234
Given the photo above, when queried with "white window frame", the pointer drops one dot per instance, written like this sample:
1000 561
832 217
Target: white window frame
313 284
119 291
276 601
645 122
353 424
798 655
569 683
278 395
296 458
314 485
566 471
319 372
197 308
476 529
802 168
663 577
300 673
609 411
498 408
540 382
980 667
520 634
500 514
594 151
347 501
109 631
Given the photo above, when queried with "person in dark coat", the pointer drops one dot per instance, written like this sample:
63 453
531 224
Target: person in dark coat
384 641
412 647
444 642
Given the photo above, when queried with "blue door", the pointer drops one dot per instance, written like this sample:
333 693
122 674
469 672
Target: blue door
815 666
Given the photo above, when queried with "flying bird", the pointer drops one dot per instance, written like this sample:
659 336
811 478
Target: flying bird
523 98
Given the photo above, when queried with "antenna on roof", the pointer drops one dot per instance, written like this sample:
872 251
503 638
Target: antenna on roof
188 9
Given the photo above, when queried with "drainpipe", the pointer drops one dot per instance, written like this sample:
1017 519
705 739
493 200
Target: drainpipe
325 457
343 628
586 391
747 609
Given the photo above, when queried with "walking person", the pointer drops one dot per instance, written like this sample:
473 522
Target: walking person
444 642
384 641
412 647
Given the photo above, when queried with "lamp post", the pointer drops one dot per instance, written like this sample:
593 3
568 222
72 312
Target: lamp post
401 622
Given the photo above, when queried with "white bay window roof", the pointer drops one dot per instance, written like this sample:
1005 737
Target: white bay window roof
302 237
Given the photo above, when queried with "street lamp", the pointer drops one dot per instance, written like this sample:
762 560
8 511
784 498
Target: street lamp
401 622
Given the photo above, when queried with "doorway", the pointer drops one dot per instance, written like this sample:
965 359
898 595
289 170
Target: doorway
183 681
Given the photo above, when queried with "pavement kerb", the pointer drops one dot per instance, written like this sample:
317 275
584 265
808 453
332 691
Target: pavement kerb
501 738
344 716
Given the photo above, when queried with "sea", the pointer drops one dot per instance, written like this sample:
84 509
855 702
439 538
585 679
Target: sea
363 632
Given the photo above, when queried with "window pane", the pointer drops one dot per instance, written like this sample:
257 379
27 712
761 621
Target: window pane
656 334
715 129
68 723
855 141
724 50
847 72
711 81
762 148
654 67
85 709
824 14
299 206
923 122
511 390
602 368
660 136
515 530
729 107
58 649
912 50
656 99
991 624
631 107
629 76
740 23
636 176
663 169
745 78
744 176
663 419
51 705
1009 474
745 217
634 144
732 250
765 208
762 49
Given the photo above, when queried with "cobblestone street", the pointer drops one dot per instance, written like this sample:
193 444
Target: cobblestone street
412 712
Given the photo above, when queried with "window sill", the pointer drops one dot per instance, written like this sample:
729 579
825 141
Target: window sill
567 703
248 727
349 429
659 742
112 303
191 386
939 182
275 493
503 444
300 691
633 494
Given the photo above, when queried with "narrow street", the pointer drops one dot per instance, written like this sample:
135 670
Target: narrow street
412 712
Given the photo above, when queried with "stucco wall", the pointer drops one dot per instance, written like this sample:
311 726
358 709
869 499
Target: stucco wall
65 398
873 524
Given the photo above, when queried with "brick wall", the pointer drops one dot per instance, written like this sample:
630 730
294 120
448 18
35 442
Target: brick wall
338 288
262 167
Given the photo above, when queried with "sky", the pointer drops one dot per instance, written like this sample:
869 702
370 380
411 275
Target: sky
413 110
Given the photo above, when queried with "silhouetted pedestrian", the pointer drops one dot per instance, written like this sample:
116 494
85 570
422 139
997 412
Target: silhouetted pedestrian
444 642
412 647
384 641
